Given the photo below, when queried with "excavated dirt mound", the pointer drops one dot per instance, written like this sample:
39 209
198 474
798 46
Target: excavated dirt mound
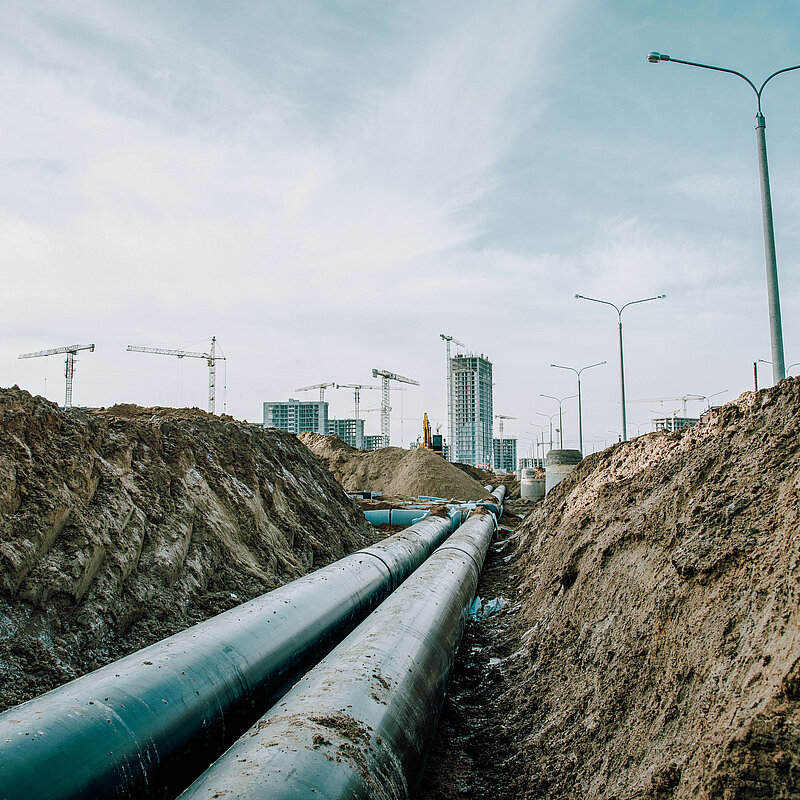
482 476
119 527
652 647
393 471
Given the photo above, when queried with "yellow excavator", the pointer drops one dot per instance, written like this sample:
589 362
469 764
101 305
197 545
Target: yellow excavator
430 440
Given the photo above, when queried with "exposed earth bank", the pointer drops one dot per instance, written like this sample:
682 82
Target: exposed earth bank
651 648
119 527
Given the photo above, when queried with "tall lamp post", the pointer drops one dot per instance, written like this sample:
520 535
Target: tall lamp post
773 298
559 400
708 398
580 417
621 358
536 438
550 418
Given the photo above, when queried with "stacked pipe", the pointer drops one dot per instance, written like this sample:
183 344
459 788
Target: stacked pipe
360 724
146 725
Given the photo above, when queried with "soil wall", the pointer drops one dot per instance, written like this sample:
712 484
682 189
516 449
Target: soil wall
653 650
119 527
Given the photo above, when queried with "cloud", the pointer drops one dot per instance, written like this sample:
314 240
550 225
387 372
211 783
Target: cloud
325 187
732 191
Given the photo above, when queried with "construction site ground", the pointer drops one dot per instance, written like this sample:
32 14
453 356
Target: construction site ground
649 645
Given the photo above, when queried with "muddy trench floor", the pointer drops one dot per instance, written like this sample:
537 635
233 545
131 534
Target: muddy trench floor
470 751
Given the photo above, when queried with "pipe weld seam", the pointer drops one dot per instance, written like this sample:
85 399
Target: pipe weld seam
478 566
375 555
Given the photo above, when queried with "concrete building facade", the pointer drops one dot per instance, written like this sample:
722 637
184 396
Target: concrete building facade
472 410
297 416
350 431
505 454
673 423
375 442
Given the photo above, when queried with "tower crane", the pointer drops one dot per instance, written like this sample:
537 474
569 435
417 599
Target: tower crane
386 409
211 357
684 399
502 418
356 387
451 423
321 386
69 371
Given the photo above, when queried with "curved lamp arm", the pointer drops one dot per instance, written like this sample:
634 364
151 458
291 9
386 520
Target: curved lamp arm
654 58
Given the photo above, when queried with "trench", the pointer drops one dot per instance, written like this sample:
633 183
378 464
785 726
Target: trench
472 753
442 592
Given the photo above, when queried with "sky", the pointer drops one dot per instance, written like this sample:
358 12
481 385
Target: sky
328 185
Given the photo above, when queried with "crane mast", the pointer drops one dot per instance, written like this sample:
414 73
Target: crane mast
502 418
69 370
386 408
356 387
211 358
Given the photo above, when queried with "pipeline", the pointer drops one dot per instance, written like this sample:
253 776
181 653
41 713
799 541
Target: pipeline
395 516
148 724
414 512
360 724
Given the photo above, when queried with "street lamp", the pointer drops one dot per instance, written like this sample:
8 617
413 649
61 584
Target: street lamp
536 439
708 398
621 360
638 427
559 400
550 418
580 418
773 298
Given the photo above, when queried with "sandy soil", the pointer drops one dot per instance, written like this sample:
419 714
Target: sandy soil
122 526
650 648
394 471
652 644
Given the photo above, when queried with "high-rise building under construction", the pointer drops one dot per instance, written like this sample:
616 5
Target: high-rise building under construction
471 378
297 416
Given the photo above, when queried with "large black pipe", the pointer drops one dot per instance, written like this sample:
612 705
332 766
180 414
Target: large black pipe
148 724
360 724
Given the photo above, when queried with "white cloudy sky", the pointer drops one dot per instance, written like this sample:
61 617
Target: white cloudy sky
328 185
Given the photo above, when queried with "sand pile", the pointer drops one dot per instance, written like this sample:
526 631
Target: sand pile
393 471
122 526
652 645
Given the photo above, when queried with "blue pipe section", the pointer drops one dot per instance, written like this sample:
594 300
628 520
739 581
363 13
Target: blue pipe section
360 724
411 513
146 725
396 516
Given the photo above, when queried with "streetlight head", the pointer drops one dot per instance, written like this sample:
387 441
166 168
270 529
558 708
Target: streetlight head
654 58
